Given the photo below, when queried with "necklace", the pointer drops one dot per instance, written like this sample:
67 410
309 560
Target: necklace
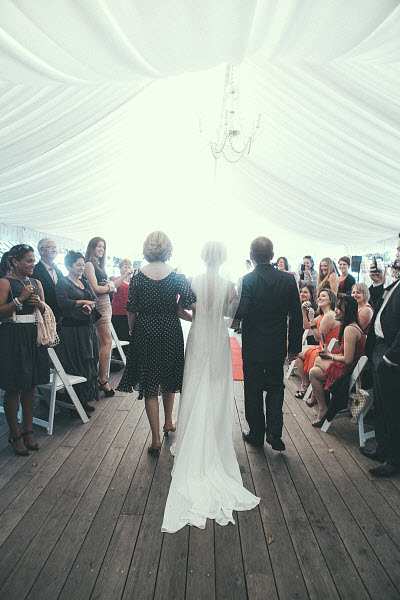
25 284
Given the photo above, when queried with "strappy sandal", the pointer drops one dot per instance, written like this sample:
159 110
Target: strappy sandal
171 429
102 388
34 446
11 441
301 392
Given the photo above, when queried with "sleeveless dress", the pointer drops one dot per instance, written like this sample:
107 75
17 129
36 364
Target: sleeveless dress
311 355
154 363
104 306
23 364
366 329
337 369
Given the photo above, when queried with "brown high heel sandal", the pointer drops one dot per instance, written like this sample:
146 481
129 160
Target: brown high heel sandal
154 448
171 429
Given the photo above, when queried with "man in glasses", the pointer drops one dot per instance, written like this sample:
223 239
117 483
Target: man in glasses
48 274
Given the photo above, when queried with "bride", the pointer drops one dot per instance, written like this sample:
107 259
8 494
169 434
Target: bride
206 481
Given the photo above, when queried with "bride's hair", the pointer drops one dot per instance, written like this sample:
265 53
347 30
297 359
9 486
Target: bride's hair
213 254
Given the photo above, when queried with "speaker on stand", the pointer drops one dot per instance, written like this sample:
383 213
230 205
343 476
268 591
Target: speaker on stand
355 265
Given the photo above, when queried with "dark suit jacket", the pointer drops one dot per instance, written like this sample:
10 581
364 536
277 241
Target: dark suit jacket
268 298
390 321
49 288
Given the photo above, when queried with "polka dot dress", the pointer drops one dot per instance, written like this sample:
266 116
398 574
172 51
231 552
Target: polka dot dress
155 356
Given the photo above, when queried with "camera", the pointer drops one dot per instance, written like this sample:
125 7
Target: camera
303 267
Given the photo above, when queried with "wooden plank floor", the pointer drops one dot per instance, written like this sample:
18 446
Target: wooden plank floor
81 518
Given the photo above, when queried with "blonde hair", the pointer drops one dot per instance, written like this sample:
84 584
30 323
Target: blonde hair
363 288
124 261
324 279
213 254
157 246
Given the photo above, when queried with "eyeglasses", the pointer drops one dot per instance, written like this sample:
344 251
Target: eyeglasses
51 247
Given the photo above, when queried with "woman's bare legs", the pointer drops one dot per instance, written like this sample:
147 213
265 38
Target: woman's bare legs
11 411
318 379
28 405
104 339
152 412
305 382
168 401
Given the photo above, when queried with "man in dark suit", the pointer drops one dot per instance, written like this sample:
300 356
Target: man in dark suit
383 350
268 298
48 274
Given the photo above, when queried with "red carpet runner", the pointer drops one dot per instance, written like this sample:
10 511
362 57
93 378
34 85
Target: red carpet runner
237 364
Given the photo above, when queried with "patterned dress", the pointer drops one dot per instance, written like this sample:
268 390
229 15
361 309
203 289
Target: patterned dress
156 352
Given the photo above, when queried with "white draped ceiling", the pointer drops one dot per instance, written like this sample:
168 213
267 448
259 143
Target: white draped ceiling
99 109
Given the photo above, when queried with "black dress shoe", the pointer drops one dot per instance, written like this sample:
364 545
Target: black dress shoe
276 443
250 440
373 454
385 470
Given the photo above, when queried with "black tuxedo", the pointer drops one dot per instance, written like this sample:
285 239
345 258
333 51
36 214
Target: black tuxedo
386 379
49 287
268 298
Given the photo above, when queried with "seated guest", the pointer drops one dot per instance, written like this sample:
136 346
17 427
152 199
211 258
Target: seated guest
361 293
325 324
119 317
328 277
307 299
23 363
383 349
307 273
77 301
346 281
329 366
48 274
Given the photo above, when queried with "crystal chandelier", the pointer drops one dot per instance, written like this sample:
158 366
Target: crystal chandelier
232 141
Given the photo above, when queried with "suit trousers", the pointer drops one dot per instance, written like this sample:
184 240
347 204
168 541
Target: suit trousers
386 405
260 376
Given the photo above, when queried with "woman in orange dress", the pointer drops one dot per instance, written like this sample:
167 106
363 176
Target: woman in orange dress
325 324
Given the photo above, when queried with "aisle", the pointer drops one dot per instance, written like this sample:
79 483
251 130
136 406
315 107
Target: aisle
82 517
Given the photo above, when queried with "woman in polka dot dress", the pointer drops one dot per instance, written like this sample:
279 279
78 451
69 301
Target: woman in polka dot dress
156 352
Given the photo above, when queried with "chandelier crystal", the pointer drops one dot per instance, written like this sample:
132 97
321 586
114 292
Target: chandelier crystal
232 141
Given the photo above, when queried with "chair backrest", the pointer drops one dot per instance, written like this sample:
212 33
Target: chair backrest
354 379
305 336
56 362
331 344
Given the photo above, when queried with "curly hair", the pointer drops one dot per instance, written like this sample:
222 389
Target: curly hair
157 246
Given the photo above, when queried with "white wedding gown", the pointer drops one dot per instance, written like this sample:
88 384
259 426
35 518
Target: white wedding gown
206 481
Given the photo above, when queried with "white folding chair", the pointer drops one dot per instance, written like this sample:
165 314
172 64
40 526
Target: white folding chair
118 344
59 380
355 383
292 364
309 389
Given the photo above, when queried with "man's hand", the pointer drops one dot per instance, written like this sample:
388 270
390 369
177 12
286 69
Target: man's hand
376 274
292 357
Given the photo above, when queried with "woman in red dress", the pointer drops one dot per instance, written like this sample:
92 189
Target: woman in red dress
329 366
360 292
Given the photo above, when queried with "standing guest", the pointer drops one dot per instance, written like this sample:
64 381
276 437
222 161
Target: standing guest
77 301
48 274
268 298
23 363
307 273
329 366
282 264
307 299
364 274
155 356
97 277
365 311
383 348
328 277
346 281
248 265
326 325
120 298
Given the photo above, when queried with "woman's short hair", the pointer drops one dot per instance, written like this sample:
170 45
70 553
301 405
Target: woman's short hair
18 252
91 247
213 254
345 259
332 297
157 246
285 260
71 257
124 261
262 249
363 288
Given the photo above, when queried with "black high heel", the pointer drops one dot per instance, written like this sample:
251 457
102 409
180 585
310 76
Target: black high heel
11 441
102 388
34 446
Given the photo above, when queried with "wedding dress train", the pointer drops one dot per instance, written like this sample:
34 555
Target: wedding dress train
206 481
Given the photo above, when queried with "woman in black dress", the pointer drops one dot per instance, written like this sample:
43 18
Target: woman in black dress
77 300
156 353
23 363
